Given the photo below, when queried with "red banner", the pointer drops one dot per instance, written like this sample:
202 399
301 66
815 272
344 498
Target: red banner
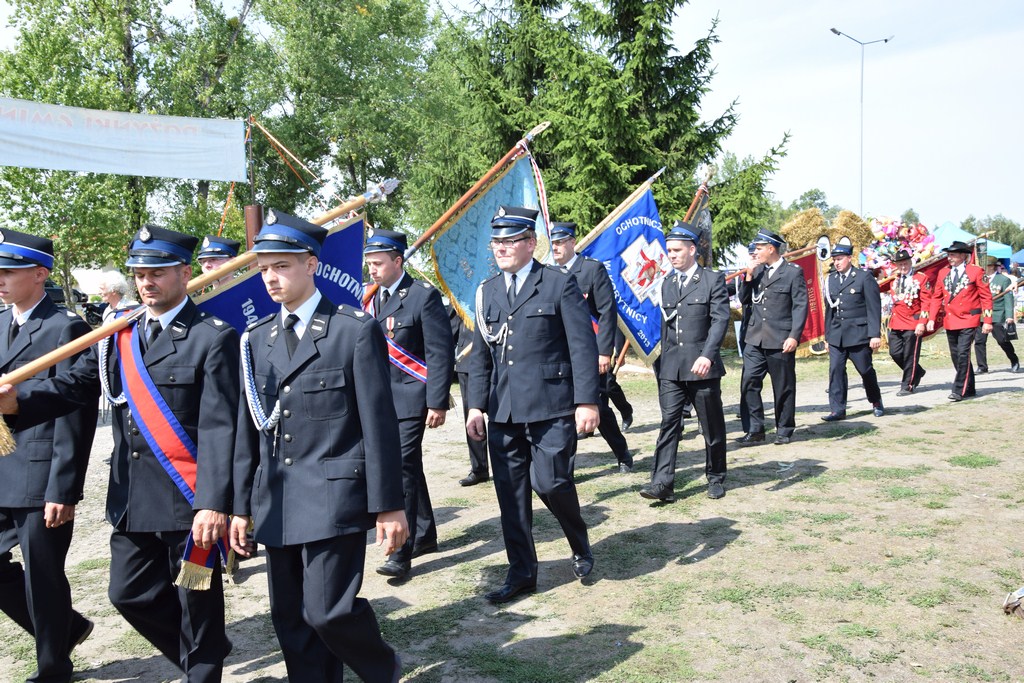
814 329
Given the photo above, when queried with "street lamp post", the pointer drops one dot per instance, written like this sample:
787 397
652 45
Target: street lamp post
862 45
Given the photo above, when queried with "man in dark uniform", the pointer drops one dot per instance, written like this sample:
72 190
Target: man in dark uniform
462 336
174 415
329 461
593 281
615 393
963 295
214 253
777 295
741 337
695 304
422 356
533 371
911 298
43 478
1002 310
853 323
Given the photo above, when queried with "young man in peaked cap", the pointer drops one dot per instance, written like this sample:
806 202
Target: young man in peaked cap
695 305
853 324
215 252
533 372
43 478
170 494
593 280
318 461
421 354
776 293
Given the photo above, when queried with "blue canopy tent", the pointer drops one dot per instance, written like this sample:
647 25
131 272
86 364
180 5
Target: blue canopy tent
949 232
1018 257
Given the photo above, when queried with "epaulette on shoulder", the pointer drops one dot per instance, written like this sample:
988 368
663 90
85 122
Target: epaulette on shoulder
262 321
555 269
493 277
212 320
353 312
425 284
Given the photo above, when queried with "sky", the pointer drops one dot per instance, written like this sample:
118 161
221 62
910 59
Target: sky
943 100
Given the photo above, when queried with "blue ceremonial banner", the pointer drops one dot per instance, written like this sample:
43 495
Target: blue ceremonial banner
632 247
461 249
244 300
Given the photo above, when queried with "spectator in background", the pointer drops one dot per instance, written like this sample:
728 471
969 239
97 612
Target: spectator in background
114 291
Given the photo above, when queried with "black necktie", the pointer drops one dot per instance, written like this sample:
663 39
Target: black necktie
291 339
384 296
682 281
12 333
512 291
153 329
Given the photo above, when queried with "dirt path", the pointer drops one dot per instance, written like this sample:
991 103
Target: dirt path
875 548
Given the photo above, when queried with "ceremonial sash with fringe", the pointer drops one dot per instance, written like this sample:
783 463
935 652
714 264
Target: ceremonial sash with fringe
399 357
173 449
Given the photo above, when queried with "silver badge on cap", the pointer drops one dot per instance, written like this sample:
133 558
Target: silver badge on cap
145 235
369 233
501 212
1 238
271 217
206 243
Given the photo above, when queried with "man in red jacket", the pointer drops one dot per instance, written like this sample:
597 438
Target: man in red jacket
911 297
961 291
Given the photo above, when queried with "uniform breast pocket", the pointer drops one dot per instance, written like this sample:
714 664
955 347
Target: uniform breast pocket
698 307
177 385
493 318
324 394
542 318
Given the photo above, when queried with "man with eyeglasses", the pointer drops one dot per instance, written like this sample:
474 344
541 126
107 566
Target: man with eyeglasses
534 373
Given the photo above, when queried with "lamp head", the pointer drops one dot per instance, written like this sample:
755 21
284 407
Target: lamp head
836 31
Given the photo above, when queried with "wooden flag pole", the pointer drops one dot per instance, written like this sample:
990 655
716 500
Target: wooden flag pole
516 150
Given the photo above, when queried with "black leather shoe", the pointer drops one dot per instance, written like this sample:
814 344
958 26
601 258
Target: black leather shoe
981 371
424 548
658 492
877 409
582 565
627 422
624 468
583 435
955 397
716 490
782 440
834 417
904 392
473 479
395 569
1015 368
83 634
750 438
508 592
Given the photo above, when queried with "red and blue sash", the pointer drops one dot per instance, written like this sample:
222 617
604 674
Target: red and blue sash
171 445
399 357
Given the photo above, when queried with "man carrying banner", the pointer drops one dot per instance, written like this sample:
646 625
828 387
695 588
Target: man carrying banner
853 322
422 355
533 371
317 461
964 296
596 286
777 295
911 298
695 305
741 338
172 379
1002 310
44 477
214 253
479 471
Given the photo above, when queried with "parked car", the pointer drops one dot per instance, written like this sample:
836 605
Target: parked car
56 293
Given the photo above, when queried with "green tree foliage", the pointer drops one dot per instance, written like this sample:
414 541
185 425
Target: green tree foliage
910 217
1001 229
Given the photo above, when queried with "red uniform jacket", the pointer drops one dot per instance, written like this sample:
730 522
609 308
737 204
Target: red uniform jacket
910 303
967 304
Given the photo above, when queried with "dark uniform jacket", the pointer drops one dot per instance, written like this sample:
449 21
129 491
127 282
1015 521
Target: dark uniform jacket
693 325
53 435
334 460
592 278
550 348
462 337
857 317
194 366
782 311
417 318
